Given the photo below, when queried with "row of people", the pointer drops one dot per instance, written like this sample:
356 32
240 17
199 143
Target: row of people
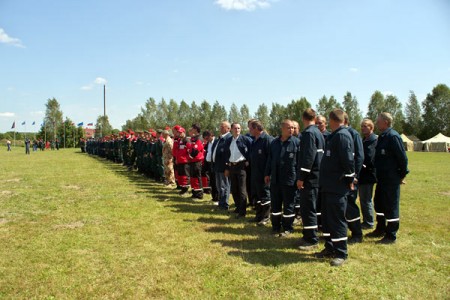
314 174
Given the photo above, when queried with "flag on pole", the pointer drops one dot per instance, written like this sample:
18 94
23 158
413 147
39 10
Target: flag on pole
80 124
13 125
90 124
23 123
34 122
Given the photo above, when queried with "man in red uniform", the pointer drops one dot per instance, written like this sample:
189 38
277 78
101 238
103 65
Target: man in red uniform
182 157
196 155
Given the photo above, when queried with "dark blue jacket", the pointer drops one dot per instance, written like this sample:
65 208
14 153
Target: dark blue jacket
259 153
391 162
358 150
281 164
311 151
243 143
337 169
221 159
367 174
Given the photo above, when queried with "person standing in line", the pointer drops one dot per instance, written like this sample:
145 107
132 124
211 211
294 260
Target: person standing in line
337 171
281 173
259 153
391 164
367 176
237 151
195 152
168 159
312 147
208 138
219 161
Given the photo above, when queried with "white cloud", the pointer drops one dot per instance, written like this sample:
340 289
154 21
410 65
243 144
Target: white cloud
248 5
87 87
7 114
37 113
5 38
354 70
100 80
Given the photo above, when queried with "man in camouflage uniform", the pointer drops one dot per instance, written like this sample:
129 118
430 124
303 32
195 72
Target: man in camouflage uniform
168 159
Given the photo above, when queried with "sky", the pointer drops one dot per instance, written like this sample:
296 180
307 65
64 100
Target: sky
231 51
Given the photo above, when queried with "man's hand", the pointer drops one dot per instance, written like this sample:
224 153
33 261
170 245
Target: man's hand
266 180
352 186
226 173
403 181
299 184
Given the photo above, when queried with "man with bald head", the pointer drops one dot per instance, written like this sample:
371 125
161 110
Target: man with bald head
219 160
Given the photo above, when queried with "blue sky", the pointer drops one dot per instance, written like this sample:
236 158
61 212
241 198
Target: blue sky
241 51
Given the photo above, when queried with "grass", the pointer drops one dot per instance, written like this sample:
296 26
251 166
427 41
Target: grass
74 226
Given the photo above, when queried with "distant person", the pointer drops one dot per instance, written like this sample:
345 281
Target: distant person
321 122
367 176
391 165
57 144
8 145
27 146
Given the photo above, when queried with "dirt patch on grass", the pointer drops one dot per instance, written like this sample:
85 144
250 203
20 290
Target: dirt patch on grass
13 180
3 221
74 225
72 187
6 193
446 193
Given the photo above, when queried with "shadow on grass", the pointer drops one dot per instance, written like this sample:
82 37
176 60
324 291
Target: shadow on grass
263 249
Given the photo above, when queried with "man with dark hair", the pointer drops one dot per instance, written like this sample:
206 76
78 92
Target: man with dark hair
207 171
182 161
391 165
195 151
312 144
219 161
237 151
259 153
281 173
337 171
353 215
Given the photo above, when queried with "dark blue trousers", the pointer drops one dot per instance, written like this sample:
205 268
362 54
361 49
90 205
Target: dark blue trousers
387 202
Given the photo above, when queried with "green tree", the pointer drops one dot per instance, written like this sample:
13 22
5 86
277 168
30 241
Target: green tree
196 115
102 126
172 114
218 114
351 107
326 105
245 116
262 114
277 114
53 119
376 105
295 109
205 108
436 112
184 114
234 115
393 106
413 117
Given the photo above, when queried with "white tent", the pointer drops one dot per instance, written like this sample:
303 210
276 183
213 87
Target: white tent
438 143
409 145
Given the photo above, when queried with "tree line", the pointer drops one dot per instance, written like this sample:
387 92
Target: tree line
423 121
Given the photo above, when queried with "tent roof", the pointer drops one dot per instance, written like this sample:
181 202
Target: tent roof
438 138
405 138
413 138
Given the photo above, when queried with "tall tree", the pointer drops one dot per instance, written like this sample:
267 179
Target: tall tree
436 112
351 107
376 105
234 115
245 116
53 118
277 114
172 114
218 114
295 109
393 106
205 108
326 105
102 126
413 118
184 114
262 114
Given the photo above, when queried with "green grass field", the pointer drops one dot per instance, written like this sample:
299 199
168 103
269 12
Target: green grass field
79 227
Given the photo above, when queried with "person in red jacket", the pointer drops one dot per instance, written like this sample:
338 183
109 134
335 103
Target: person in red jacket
182 157
174 153
196 155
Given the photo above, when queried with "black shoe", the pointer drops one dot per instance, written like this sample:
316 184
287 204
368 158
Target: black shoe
386 241
375 234
285 234
183 191
355 240
366 226
307 246
337 262
325 253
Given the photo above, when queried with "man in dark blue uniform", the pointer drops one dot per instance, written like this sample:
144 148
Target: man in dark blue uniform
259 153
321 122
281 173
391 165
353 215
337 171
311 151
